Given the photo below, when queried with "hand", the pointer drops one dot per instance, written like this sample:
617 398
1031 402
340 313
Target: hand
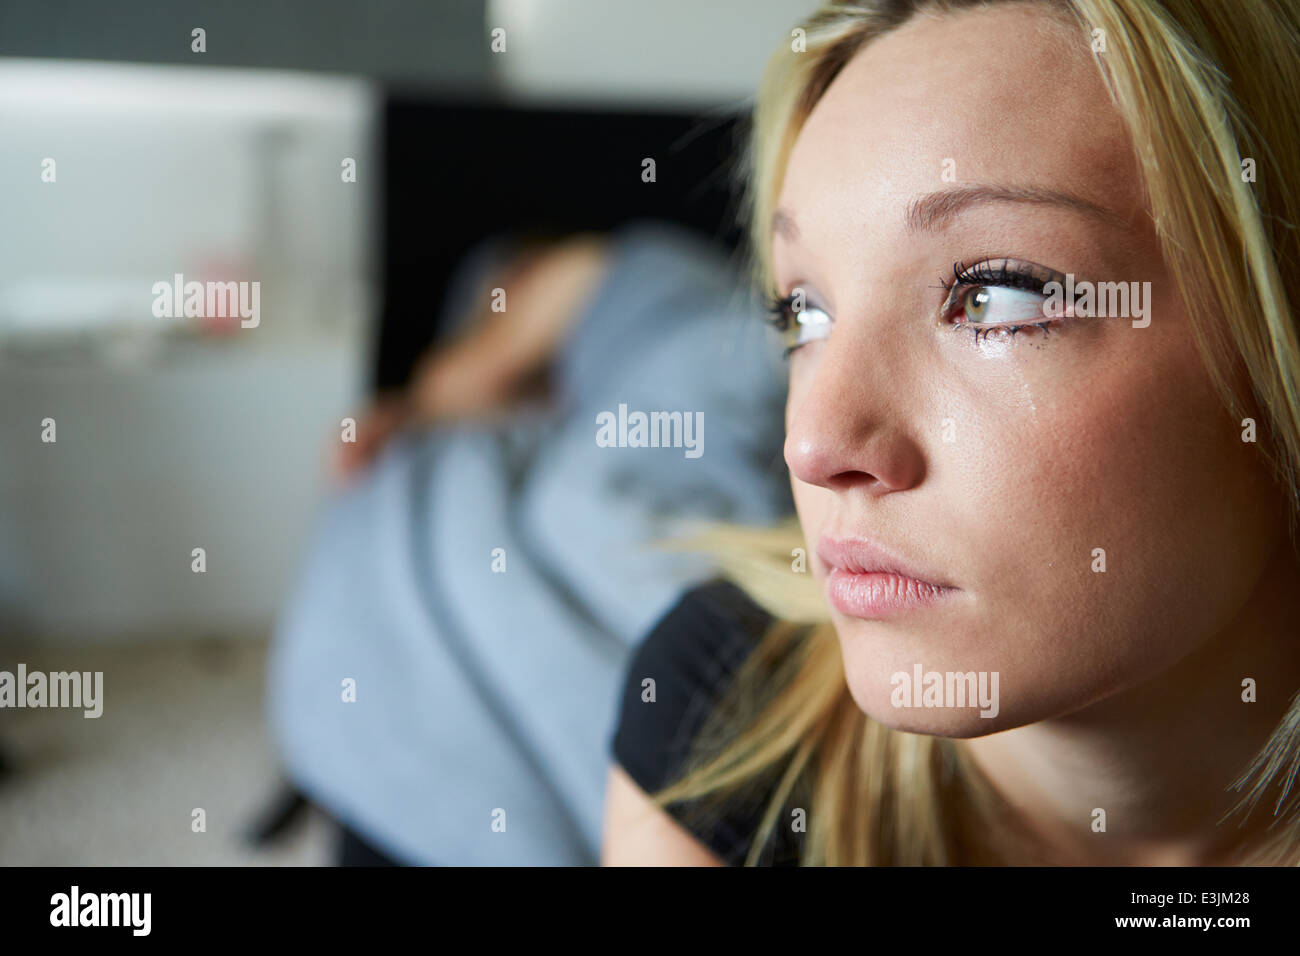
485 370
481 373
387 415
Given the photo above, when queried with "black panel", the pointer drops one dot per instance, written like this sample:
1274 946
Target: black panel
456 174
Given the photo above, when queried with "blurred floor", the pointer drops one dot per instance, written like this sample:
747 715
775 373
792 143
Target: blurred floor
182 728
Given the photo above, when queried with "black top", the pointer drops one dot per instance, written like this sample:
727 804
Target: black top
691 655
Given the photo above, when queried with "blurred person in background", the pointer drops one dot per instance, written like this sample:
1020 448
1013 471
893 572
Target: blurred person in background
443 681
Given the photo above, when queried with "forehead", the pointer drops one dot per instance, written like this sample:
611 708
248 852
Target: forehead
1008 95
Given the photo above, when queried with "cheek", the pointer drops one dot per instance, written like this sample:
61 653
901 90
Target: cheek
1120 510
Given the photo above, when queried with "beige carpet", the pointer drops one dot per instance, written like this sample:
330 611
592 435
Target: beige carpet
182 728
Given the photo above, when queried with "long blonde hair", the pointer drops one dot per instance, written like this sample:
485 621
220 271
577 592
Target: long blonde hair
1203 87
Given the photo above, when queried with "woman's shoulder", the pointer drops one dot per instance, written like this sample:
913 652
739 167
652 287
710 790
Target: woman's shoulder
700 642
675 678
678 672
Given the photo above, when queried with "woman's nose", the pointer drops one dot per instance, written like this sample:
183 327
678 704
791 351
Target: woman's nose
849 430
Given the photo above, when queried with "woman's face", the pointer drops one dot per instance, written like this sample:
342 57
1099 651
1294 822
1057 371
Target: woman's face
962 474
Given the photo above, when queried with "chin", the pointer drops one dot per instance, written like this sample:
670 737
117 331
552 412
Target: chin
943 697
936 723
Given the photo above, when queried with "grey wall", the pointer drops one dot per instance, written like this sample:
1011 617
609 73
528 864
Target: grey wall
437 43
168 439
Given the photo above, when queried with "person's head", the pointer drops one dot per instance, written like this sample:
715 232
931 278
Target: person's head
1086 492
1070 487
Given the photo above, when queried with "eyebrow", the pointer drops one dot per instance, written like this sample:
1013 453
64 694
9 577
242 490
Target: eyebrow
935 210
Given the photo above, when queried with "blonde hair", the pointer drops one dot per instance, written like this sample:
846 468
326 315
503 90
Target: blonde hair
1202 86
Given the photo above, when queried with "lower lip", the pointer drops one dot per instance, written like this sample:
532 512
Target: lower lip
877 594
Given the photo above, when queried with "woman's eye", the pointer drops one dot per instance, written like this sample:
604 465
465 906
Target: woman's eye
987 305
808 325
799 326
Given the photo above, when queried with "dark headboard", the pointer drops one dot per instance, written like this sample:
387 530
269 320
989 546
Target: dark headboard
457 173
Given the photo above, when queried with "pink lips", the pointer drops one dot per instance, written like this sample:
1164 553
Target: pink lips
865 581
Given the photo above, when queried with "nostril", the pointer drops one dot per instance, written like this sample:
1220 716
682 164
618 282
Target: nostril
844 480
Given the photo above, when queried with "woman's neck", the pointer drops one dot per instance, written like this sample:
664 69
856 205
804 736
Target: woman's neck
1143 777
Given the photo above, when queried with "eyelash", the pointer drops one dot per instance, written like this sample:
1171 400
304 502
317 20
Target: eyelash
1005 273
